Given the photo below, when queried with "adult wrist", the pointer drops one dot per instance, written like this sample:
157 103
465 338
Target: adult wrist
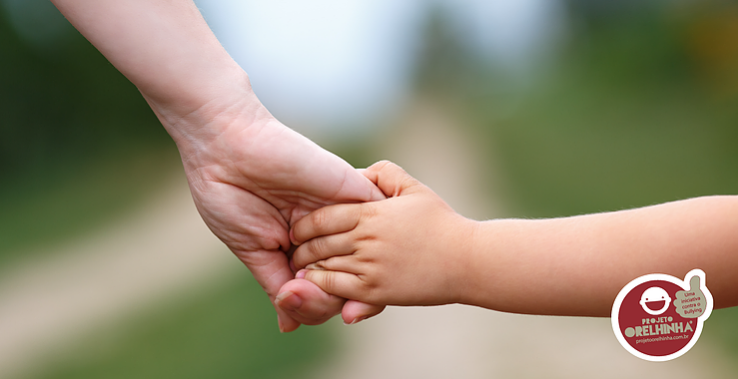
197 117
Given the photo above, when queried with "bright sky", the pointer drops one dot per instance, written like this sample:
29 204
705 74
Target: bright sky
330 62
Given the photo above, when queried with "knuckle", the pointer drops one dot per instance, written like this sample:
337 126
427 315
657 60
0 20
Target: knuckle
390 165
329 281
330 263
372 293
317 248
306 254
380 164
318 219
298 258
366 211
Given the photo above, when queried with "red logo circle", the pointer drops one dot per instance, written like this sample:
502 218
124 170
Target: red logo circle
659 317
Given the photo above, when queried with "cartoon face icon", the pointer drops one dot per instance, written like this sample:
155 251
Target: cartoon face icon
655 300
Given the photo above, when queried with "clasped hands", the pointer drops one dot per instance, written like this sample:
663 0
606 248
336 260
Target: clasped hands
251 177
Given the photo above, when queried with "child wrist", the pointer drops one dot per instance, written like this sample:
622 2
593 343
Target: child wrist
466 265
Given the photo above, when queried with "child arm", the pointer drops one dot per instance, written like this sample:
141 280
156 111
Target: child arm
412 249
577 265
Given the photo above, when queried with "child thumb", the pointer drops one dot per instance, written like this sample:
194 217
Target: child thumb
390 178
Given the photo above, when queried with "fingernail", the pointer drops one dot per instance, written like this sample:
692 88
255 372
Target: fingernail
279 322
288 300
292 236
356 320
282 296
292 265
301 274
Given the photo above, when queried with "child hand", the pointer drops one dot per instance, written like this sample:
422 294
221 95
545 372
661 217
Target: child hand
407 250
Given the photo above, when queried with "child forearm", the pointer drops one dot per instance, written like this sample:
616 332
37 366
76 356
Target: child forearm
577 265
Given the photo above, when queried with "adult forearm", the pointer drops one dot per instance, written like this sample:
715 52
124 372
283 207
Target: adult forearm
577 265
167 50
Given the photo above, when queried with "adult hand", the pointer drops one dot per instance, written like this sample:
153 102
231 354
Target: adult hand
250 175
254 178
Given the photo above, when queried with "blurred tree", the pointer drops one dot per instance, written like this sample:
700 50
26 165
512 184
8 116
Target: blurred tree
444 62
61 102
621 116
78 143
711 44
629 43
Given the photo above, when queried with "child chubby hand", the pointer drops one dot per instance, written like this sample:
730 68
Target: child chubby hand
413 249
406 250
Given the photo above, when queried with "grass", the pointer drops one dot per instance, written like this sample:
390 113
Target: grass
226 331
720 329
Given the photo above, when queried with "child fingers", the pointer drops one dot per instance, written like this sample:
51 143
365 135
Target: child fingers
331 219
340 263
321 248
337 283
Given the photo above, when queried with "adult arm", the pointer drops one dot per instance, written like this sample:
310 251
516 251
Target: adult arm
250 176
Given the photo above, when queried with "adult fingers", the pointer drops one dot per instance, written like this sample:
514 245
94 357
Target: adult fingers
286 322
324 221
355 311
307 303
271 270
376 193
357 188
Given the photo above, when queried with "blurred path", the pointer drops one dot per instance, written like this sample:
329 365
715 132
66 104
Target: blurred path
161 248
466 342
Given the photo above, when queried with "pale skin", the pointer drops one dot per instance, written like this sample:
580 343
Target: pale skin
413 249
250 176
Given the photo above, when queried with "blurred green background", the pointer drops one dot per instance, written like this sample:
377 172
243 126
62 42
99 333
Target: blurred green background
637 105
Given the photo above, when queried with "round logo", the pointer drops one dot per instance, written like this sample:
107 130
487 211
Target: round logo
658 317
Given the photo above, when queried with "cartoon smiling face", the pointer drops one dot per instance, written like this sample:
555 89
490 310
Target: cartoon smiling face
655 301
